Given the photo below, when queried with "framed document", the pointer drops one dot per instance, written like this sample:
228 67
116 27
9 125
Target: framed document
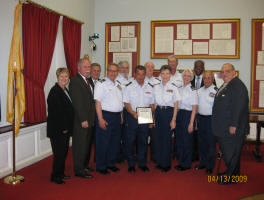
144 115
122 43
198 38
257 66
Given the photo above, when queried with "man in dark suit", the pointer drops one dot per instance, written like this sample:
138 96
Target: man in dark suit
230 120
197 83
95 74
82 99
198 69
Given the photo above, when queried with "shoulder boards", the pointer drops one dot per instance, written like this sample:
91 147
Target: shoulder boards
157 78
155 84
174 85
216 89
118 81
151 85
128 84
193 88
101 80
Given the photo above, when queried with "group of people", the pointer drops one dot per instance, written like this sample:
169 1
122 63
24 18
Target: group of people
182 104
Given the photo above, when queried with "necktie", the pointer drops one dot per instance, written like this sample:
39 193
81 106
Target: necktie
198 84
89 85
221 88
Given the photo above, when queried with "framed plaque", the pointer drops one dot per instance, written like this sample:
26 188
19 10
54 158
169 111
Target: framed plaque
144 115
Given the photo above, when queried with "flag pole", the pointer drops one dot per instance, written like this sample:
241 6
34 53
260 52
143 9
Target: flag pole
14 179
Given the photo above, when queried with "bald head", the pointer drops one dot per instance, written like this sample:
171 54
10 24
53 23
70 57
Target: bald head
228 72
149 69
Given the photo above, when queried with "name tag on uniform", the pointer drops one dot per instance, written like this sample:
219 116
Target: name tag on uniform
212 94
169 90
144 115
148 92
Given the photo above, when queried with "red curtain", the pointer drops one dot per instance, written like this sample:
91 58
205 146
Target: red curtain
72 43
39 28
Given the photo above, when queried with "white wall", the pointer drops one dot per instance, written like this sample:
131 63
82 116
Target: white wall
82 10
147 10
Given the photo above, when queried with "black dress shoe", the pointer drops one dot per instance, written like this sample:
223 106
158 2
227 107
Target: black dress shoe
84 175
180 168
131 170
57 180
198 167
113 169
89 169
165 169
104 172
65 177
158 167
144 169
209 171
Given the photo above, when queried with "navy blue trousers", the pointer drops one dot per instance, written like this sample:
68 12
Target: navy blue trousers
139 133
108 141
184 139
163 136
206 142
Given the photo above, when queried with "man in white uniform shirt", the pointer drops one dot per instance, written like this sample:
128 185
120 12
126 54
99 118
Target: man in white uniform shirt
176 76
123 79
109 106
138 93
153 81
206 139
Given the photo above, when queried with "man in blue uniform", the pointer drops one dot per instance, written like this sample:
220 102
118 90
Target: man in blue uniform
109 105
206 139
138 93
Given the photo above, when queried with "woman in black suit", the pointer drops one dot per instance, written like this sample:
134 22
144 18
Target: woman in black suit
59 124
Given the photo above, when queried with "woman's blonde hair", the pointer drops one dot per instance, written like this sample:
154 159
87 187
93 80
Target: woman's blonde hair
62 70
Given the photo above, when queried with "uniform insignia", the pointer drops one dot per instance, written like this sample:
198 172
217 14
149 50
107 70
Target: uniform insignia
119 87
212 94
118 82
157 78
148 92
169 90
151 85
215 88
128 84
101 80
223 95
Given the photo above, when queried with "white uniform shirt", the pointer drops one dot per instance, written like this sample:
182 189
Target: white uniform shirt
123 81
138 96
177 79
206 99
166 95
109 94
188 97
153 80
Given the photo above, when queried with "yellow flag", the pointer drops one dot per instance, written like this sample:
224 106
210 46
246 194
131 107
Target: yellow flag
15 64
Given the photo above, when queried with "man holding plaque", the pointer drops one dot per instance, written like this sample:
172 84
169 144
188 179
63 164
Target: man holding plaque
139 102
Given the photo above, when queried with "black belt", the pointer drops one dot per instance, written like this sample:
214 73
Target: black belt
113 113
205 116
164 107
